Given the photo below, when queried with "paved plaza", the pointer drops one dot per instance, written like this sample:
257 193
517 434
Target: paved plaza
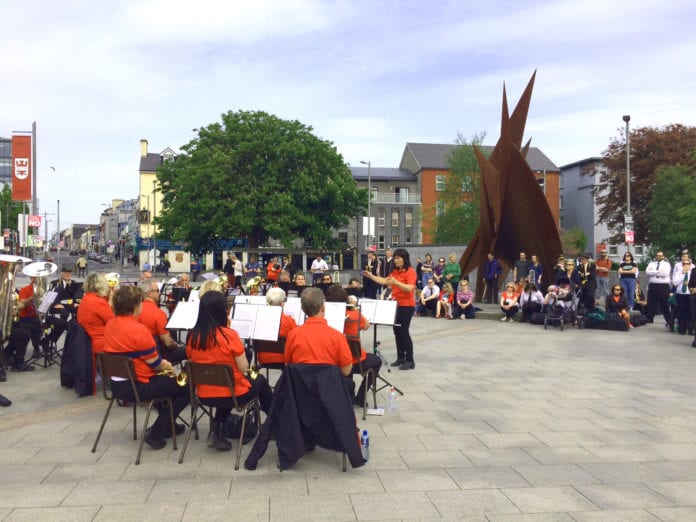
498 422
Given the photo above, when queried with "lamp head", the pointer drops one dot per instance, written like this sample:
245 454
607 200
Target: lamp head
627 118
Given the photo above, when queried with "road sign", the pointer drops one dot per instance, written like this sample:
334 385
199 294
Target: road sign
629 237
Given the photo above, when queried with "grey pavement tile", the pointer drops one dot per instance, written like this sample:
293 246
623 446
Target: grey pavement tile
253 509
565 438
287 483
682 493
517 425
623 453
435 459
386 459
471 502
170 470
20 495
621 472
11 472
91 472
429 405
625 423
424 416
509 440
4 512
416 480
674 451
170 510
674 470
535 517
617 515
190 489
573 413
118 492
568 425
675 514
619 412
317 507
549 499
623 496
488 478
78 454
399 442
464 427
54 514
475 414
499 457
17 455
410 428
561 455
390 506
671 436
360 480
619 437
445 442
556 475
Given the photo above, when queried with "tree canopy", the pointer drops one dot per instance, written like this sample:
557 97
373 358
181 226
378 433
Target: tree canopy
460 217
650 148
10 209
256 176
672 209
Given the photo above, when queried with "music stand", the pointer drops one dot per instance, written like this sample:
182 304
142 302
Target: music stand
380 312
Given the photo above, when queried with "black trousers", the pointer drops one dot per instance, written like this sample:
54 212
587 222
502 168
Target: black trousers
16 348
402 323
158 386
658 293
371 362
683 312
223 405
491 295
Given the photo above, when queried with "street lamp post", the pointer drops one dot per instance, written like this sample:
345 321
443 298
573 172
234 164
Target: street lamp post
629 218
369 201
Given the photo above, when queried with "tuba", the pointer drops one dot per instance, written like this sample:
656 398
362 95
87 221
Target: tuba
40 270
10 266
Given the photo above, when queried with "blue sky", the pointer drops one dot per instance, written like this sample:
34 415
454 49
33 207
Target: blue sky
367 75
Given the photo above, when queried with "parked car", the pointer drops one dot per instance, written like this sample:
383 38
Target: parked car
74 253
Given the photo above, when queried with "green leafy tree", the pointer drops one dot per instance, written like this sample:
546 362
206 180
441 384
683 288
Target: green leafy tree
460 218
9 209
672 210
650 148
573 241
256 176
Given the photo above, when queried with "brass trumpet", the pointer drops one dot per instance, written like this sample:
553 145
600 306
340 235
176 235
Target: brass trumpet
181 377
252 372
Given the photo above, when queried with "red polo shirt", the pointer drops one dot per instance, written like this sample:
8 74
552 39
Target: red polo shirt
315 342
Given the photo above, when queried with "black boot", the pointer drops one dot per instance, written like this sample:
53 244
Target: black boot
220 440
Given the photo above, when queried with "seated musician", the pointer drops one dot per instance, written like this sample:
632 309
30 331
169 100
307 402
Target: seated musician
94 312
180 292
315 342
272 271
29 320
124 335
155 320
276 297
64 303
15 351
355 322
211 341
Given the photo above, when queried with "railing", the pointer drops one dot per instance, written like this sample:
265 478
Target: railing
390 197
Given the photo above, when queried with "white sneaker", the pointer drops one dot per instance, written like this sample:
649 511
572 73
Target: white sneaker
503 319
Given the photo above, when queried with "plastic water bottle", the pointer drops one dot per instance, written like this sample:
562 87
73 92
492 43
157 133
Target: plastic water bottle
365 445
391 399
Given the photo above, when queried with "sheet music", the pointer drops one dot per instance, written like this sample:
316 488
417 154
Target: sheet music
378 311
335 315
293 308
193 296
250 299
184 317
47 301
252 321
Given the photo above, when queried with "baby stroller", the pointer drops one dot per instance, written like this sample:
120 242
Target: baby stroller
563 309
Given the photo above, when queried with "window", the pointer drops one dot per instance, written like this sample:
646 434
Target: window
408 217
408 240
380 242
401 194
395 239
382 217
343 237
467 184
439 208
395 218
375 194
440 182
639 250
542 184
613 251
561 207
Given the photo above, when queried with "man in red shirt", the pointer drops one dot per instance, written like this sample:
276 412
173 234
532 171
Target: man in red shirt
155 320
276 297
315 342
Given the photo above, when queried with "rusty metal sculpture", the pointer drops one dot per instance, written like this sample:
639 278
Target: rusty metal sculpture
514 213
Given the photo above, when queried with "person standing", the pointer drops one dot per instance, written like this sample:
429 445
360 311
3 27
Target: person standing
372 266
658 271
588 282
602 271
403 284
628 273
252 268
521 268
81 266
491 273
426 270
228 269
388 263
318 268
681 276
452 272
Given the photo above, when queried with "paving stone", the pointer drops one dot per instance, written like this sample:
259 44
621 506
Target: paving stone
488 477
549 499
54 514
156 510
386 506
623 496
556 475
622 472
416 480
682 493
618 515
472 502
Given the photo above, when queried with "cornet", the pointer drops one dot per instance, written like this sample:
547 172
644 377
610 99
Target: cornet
181 378
113 279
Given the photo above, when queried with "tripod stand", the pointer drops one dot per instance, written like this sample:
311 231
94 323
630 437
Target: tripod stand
375 350
51 353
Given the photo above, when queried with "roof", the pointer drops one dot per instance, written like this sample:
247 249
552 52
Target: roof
435 155
150 162
593 159
381 174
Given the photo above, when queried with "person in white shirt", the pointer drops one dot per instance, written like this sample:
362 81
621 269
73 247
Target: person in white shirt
428 298
659 271
318 268
680 280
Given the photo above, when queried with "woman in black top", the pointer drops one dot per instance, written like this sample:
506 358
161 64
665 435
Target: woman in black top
628 272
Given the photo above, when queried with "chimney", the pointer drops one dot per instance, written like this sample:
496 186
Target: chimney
143 148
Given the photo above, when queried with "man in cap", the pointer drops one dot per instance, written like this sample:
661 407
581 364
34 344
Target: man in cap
64 303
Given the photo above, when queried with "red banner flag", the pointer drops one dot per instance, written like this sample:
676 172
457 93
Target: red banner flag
21 168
